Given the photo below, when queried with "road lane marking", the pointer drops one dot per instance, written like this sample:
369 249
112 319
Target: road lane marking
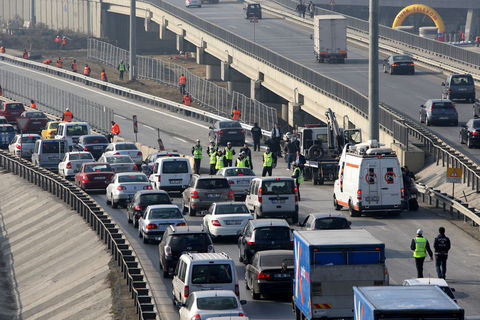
180 139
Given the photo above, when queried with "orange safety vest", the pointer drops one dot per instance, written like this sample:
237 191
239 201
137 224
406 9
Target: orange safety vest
25 55
1 91
33 105
48 61
187 100
64 41
103 76
115 128
57 39
2 49
182 80
67 116
59 63
236 114
74 66
86 71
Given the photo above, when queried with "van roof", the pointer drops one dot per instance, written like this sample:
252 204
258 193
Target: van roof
260 223
217 256
350 237
171 159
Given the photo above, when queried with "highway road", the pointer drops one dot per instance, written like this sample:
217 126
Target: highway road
179 133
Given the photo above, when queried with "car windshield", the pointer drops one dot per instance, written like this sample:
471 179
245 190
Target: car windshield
448 291
177 166
155 198
401 58
462 81
133 178
331 223
34 115
29 139
217 303
239 172
278 187
231 208
94 140
190 242
165 213
77 130
98 168
81 156
14 106
53 146
476 124
53 125
277 260
230 124
211 273
272 233
119 159
212 184
6 129
126 146
3 120
442 105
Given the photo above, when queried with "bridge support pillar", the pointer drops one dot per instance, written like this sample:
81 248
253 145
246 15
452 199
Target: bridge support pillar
212 72
256 89
225 70
285 112
180 43
472 24
295 115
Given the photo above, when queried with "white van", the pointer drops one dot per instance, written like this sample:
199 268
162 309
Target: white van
171 174
71 131
369 180
203 271
273 197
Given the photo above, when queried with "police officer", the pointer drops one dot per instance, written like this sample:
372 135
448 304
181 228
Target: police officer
267 162
197 156
248 154
229 153
212 153
420 247
242 160
441 246
220 163
297 177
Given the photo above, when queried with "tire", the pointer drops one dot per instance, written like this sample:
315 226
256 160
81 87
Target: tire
321 181
240 258
255 296
469 143
256 214
336 206
353 213
145 240
165 273
114 204
191 212
108 201
295 218
136 223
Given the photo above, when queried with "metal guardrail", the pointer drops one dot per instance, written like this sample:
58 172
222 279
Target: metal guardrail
214 98
98 220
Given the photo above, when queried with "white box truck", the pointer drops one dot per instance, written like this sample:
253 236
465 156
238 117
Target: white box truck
330 38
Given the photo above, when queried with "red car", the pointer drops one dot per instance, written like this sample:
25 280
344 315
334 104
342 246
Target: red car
37 121
11 110
94 175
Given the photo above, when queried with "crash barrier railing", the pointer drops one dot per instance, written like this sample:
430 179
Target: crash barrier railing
142 97
54 100
456 207
98 220
214 98
451 52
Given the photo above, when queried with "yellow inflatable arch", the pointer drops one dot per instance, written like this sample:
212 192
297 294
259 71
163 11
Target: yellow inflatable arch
426 10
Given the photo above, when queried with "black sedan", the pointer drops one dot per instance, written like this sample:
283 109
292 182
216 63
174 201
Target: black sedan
470 133
271 273
227 131
399 63
95 144
142 200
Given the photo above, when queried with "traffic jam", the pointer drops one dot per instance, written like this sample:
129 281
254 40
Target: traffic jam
326 268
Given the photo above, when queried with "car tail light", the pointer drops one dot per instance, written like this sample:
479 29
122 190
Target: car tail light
241 314
403 192
431 109
186 294
195 317
475 133
138 207
216 223
139 153
242 131
116 154
230 194
151 226
291 237
149 187
220 132
168 251
231 182
69 165
411 63
17 146
210 248
159 178
296 193
135 168
260 195
237 290
85 149
252 239
181 224
195 195
85 179
359 194
121 188
263 275
395 65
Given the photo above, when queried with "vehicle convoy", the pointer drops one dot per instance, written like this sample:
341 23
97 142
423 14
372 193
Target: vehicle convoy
407 302
322 146
328 264
330 38
369 180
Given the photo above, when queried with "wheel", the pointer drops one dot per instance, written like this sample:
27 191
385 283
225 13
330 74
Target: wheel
427 122
295 218
336 206
256 214
136 223
384 69
469 143
240 258
108 201
353 212
191 212
145 240
114 204
255 296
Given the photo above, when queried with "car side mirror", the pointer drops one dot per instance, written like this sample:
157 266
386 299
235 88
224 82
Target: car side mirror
244 302
443 84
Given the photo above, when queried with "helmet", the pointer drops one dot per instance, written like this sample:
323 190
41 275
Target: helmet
198 140
419 232
229 143
67 109
268 148
220 151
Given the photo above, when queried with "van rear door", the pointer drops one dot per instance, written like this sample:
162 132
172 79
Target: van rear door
372 195
390 182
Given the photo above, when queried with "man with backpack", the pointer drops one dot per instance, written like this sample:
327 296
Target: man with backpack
441 246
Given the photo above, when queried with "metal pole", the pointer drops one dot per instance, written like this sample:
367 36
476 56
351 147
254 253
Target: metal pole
373 71
133 49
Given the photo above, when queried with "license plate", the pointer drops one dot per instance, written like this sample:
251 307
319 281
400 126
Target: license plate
232 222
281 275
443 118
52 158
97 148
213 195
278 201
232 132
243 182
175 181
99 178
35 122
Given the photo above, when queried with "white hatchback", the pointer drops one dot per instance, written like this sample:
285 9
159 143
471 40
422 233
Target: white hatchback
72 162
211 304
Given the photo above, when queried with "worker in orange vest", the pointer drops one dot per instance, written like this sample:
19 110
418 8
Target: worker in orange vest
59 62
187 99
25 54
47 61
2 49
103 76
236 114
64 42
57 41
74 65
182 82
1 91
67 115
33 105
86 70
114 132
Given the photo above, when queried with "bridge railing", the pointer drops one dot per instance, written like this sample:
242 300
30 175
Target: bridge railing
214 98
98 220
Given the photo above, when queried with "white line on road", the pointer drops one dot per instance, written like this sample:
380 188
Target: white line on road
151 128
180 139
119 116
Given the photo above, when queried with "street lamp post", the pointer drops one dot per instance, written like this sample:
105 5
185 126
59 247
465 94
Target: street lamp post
373 71
132 43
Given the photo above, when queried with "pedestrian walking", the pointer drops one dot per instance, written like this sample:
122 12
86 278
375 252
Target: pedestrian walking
420 248
122 68
290 150
115 131
197 156
25 54
300 160
276 138
59 62
220 160
298 178
267 163
212 153
236 114
441 245
187 99
311 9
256 135
229 153
74 65
248 155
63 43
299 9
33 105
182 82
67 115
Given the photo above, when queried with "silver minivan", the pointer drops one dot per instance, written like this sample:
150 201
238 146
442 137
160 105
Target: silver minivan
48 153
273 197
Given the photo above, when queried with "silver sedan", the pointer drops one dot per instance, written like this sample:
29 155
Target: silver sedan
239 180
124 186
156 219
212 303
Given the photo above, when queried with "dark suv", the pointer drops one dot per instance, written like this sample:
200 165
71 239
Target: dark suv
459 86
143 199
95 144
253 10
179 240
264 234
